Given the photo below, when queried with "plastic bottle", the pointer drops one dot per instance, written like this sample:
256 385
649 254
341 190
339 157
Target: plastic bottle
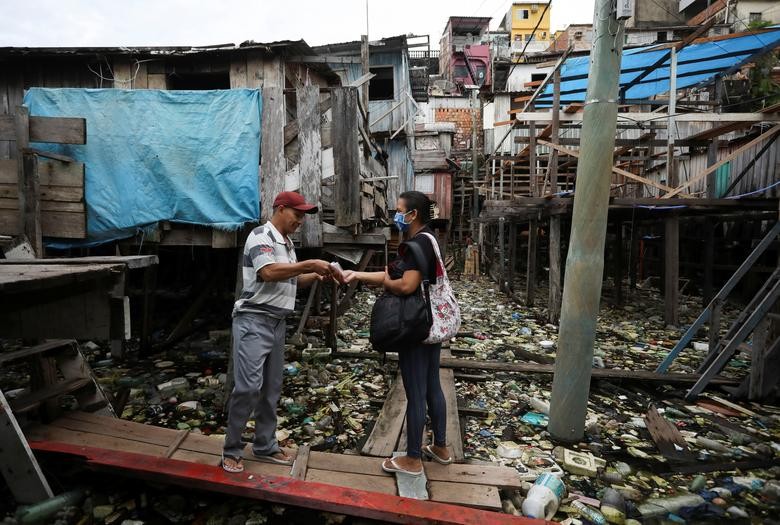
544 497
613 506
589 513
656 507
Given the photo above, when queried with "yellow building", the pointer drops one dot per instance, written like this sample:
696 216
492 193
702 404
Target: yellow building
521 19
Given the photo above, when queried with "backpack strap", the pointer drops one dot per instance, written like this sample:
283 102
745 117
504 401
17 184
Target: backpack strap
419 258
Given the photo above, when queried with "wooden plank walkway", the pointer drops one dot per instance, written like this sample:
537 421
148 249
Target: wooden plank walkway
389 432
470 485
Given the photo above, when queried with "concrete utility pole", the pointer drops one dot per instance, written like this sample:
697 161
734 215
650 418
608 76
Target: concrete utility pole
585 262
475 106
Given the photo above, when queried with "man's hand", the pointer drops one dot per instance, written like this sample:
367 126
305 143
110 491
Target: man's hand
349 276
319 267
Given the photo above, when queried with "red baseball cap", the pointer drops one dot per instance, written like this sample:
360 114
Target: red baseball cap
294 200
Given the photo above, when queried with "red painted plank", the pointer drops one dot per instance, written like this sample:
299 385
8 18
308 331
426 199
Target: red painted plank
288 491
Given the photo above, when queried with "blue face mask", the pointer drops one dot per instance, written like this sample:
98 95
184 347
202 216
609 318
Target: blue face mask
399 221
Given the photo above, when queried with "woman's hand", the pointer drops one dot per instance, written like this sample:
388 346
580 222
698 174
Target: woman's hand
349 275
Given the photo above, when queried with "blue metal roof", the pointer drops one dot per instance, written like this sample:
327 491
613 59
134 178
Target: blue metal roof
697 64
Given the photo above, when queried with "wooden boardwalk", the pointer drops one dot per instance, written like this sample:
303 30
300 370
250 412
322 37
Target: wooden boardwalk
469 485
389 432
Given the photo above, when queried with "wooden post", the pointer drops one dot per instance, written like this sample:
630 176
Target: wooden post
501 255
310 164
272 163
554 301
672 270
333 325
709 261
31 204
530 285
346 157
553 165
532 186
512 255
365 62
759 374
633 268
20 469
617 263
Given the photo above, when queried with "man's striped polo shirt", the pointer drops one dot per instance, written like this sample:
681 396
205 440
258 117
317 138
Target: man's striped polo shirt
264 246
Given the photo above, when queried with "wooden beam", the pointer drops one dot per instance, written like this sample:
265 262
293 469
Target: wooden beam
272 163
310 164
734 154
324 59
346 157
20 469
22 137
547 116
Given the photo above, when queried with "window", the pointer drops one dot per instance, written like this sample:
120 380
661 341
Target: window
661 36
755 17
382 86
529 38
518 37
521 14
578 35
537 76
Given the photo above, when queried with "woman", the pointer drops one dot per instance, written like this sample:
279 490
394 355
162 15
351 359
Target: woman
419 363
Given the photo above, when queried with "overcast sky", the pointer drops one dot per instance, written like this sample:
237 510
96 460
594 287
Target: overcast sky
71 23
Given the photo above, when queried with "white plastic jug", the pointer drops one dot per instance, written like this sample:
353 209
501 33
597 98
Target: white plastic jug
544 497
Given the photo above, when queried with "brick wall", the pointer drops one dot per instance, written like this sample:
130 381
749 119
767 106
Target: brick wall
462 119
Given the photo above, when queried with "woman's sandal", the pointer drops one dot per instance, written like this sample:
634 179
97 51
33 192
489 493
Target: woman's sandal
395 468
428 451
239 466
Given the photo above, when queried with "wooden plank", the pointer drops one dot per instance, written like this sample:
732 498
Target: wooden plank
286 491
546 116
454 438
157 81
9 357
273 164
254 69
35 398
384 436
62 193
324 59
273 72
30 203
57 173
9 222
64 224
59 130
503 477
382 484
666 437
238 78
346 157
180 436
300 465
132 262
74 437
479 496
310 148
20 469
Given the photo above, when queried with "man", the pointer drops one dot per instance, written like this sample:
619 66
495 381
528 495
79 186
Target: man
271 275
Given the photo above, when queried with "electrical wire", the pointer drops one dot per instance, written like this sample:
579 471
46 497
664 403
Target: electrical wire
762 190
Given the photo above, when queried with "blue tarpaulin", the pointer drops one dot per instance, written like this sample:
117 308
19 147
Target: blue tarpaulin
182 156
696 64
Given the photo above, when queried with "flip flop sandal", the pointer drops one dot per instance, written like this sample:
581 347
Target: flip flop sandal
395 468
233 470
271 459
428 451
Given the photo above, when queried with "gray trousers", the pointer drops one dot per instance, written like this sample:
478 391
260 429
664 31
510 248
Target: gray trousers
258 362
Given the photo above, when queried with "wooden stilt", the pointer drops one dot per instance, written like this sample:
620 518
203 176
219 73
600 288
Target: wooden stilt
671 270
758 370
617 263
501 254
512 255
709 261
554 302
530 284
